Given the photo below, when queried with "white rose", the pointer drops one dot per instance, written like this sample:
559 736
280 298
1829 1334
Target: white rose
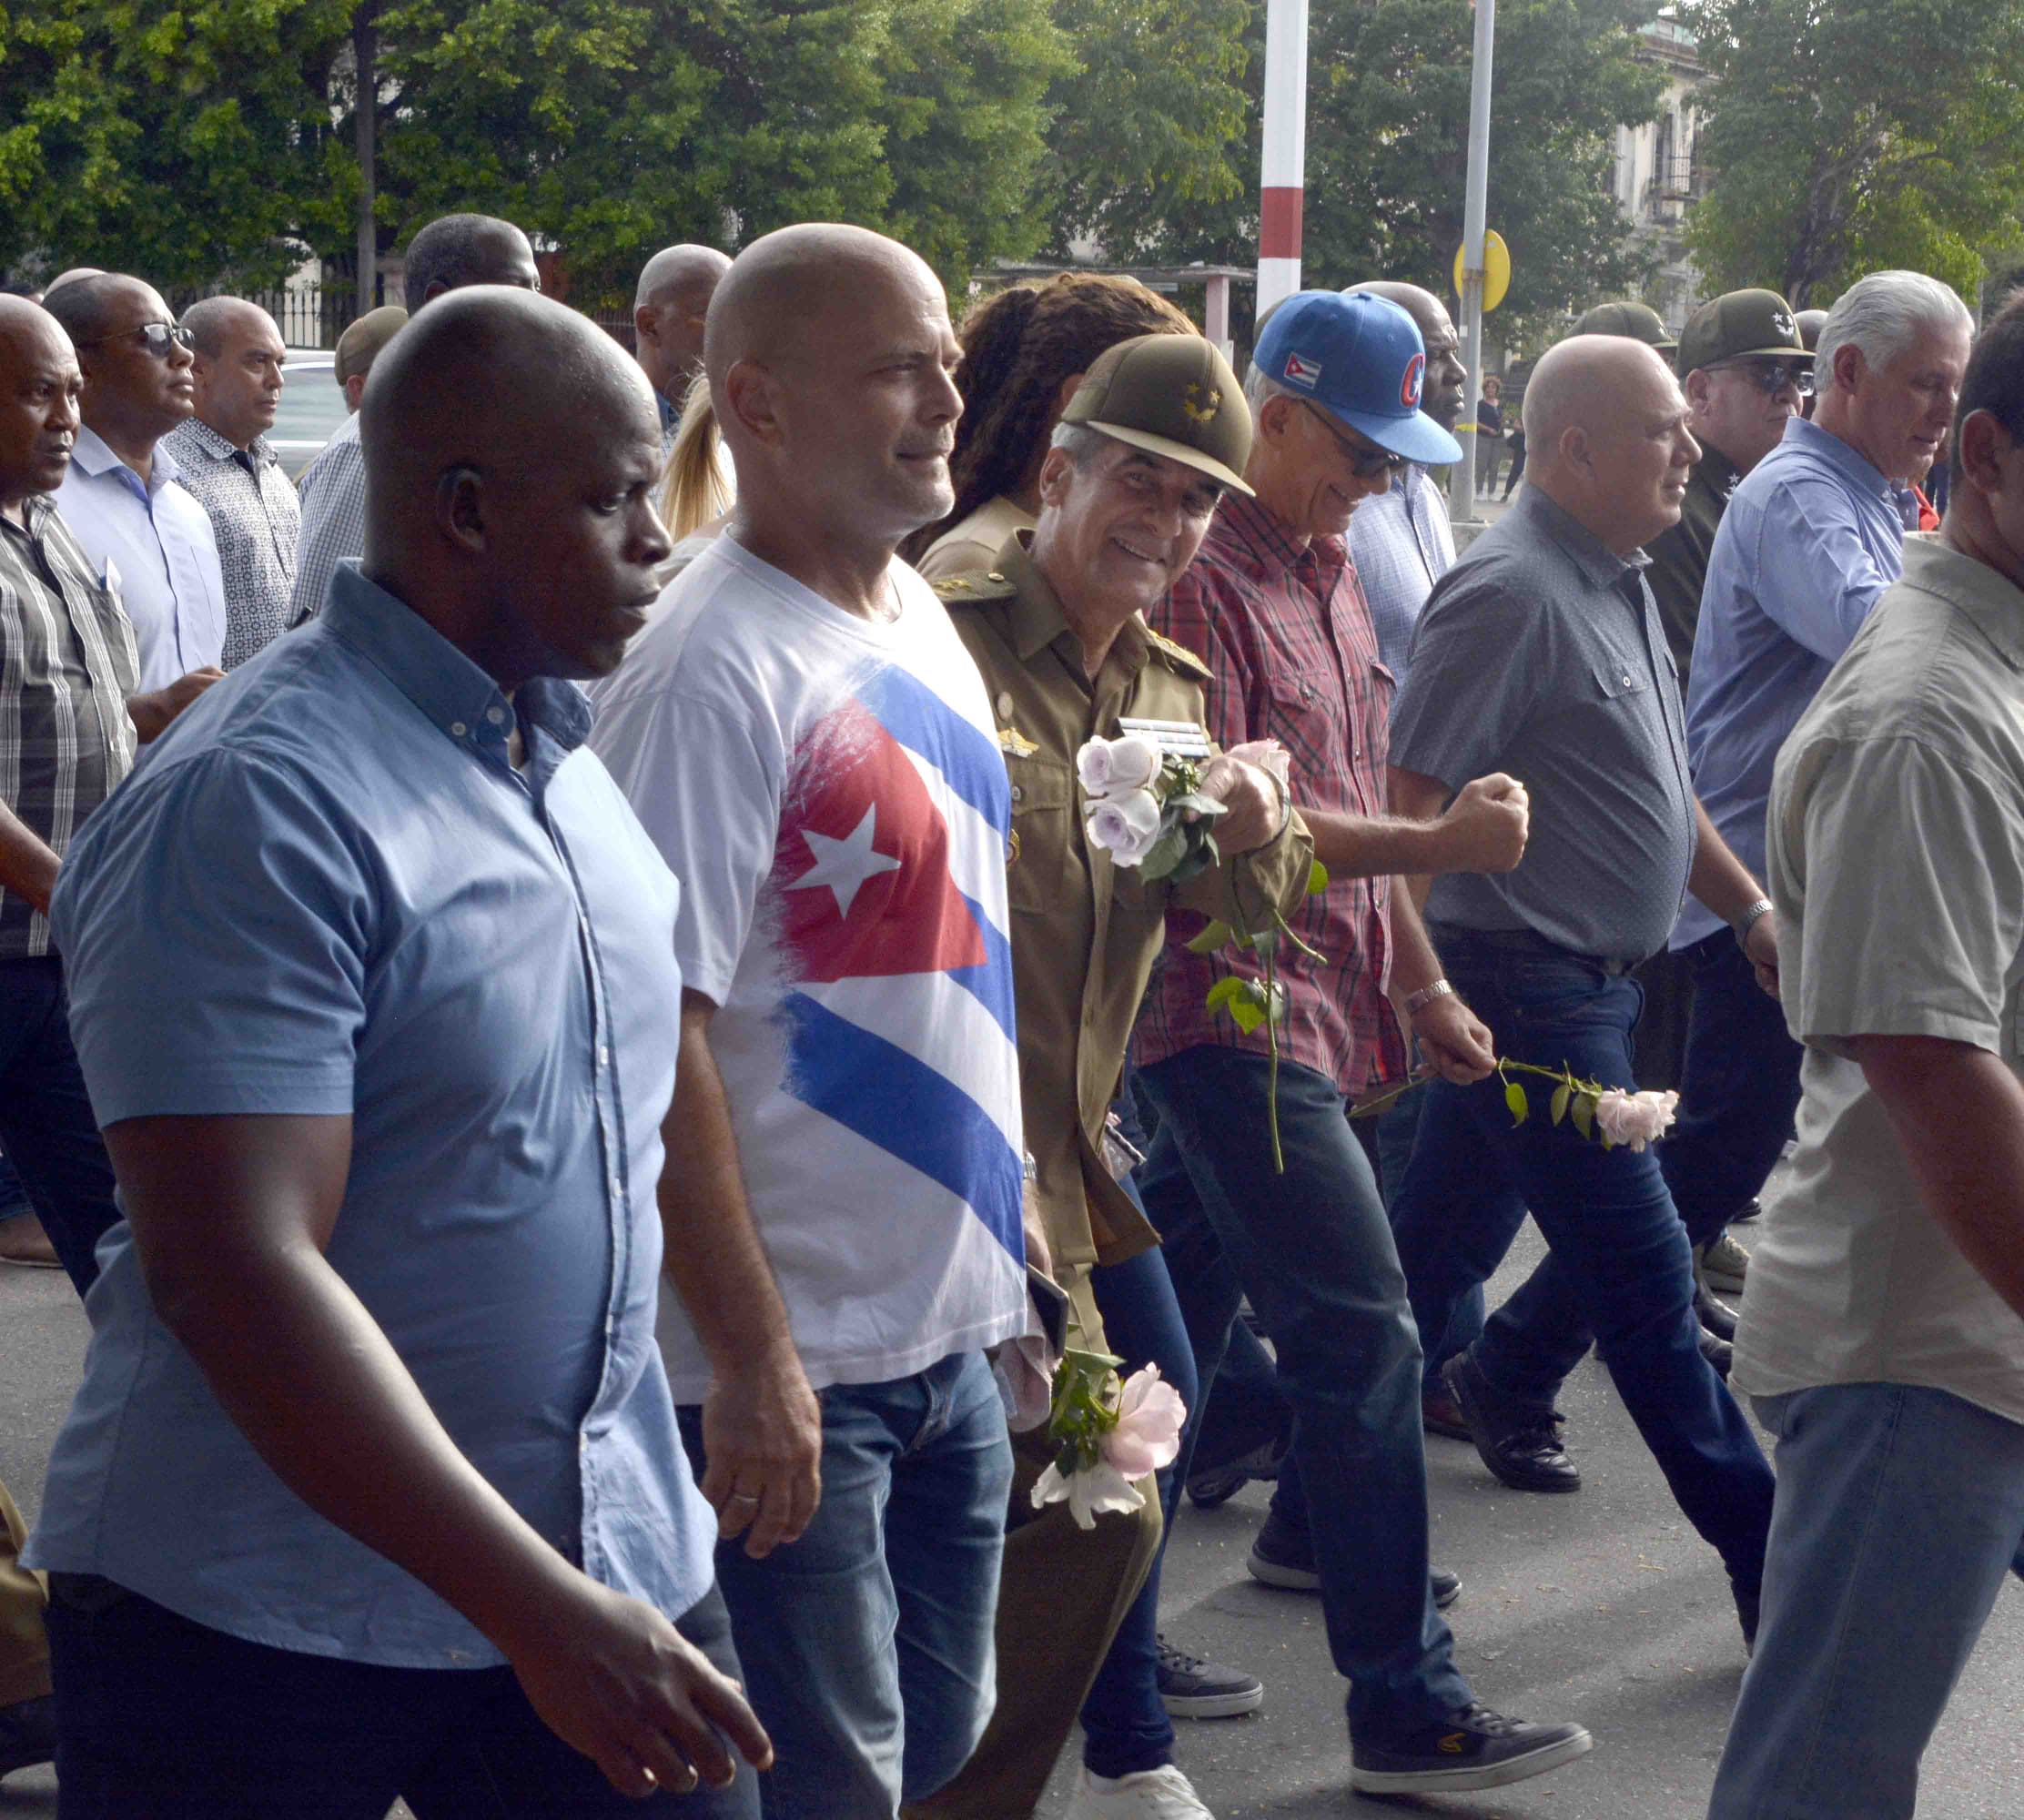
1109 767
1125 826
1636 1118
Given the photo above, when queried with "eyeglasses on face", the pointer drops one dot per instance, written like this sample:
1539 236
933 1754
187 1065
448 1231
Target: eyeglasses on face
1771 376
1365 461
155 338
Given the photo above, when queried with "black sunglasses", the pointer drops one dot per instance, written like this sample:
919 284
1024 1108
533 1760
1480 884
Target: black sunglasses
155 338
1365 462
1771 376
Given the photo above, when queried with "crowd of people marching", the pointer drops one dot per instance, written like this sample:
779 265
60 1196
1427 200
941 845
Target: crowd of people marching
567 1002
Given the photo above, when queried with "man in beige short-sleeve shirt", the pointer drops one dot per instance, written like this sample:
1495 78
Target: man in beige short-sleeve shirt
1882 1333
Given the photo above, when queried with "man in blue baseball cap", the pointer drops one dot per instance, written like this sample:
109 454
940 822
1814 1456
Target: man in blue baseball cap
1272 604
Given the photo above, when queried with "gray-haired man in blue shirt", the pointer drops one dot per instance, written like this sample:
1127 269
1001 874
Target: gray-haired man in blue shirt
373 1486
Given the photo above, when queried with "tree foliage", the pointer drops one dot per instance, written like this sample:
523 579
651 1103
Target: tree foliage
1863 135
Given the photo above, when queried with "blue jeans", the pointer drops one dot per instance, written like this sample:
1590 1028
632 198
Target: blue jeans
868 1644
1899 1510
1313 1250
1398 1131
47 1126
1619 1263
158 1718
1125 1724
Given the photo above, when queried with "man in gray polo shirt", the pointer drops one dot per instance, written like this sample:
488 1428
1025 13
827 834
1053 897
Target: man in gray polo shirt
1582 704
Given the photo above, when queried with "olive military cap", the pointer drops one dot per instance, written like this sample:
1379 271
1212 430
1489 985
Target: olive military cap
1740 326
361 343
1639 321
1171 395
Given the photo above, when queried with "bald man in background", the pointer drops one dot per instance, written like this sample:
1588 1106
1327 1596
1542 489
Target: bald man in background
1582 705
226 463
669 310
810 745
358 1539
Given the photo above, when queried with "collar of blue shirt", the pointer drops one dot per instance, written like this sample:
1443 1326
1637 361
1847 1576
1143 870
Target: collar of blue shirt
1601 564
459 697
93 455
1840 455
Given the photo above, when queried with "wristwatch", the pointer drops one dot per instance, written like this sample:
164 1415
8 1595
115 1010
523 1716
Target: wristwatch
1418 1001
1747 921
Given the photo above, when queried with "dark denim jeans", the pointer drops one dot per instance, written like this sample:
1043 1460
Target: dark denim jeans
868 1644
1398 1132
1313 1250
46 1126
158 1718
1125 1724
1619 1263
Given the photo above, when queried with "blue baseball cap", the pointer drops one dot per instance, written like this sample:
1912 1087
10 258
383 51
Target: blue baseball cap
1362 359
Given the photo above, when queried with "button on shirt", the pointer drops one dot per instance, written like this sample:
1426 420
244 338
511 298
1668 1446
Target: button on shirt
162 555
327 891
1402 545
333 519
66 667
1897 867
1540 654
1810 540
256 518
1286 633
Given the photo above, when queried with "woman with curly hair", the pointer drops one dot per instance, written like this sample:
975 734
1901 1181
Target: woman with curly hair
1025 351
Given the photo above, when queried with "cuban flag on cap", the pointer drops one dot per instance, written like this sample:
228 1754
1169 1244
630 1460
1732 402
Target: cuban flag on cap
1301 371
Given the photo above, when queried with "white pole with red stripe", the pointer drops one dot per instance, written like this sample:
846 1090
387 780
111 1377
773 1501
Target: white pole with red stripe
1283 179
1462 477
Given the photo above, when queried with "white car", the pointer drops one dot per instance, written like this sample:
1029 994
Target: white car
312 407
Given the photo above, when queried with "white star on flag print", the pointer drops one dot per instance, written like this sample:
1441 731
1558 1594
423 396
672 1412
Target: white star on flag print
845 865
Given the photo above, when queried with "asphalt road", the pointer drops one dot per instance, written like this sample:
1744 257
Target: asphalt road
1603 1607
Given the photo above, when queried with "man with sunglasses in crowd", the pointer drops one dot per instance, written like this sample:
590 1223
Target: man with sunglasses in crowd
148 539
1272 604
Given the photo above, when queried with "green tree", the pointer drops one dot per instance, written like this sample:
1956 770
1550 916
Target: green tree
176 142
1862 135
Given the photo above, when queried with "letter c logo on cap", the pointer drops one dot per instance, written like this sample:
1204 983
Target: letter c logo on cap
1415 376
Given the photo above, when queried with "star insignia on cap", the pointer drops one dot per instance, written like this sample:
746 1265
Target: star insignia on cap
1783 323
1200 414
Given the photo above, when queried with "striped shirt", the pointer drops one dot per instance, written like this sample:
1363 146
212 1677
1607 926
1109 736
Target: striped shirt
256 518
333 519
67 664
1286 632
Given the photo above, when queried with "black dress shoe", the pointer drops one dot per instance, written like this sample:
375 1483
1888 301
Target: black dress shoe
1440 1414
1521 1448
1718 1353
1715 1314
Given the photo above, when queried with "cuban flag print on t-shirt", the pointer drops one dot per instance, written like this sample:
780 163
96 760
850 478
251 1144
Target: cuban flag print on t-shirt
830 795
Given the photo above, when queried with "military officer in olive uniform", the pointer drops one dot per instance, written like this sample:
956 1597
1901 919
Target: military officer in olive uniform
1745 372
1150 441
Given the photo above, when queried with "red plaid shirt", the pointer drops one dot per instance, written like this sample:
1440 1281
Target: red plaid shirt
1288 633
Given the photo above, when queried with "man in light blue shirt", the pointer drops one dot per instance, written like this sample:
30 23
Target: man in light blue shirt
373 1486
1812 538
122 497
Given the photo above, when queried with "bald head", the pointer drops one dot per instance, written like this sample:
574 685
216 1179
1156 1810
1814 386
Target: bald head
1606 437
670 308
1447 379
39 384
238 370
212 321
511 447
831 356
71 276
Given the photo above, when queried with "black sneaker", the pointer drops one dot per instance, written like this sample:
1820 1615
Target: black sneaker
1284 1556
27 1734
1474 1748
1522 1448
1193 1687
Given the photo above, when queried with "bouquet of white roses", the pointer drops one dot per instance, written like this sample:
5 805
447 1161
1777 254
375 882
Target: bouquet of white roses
1144 807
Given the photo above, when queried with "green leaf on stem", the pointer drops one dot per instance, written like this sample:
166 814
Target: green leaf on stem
1584 1109
1265 942
1561 1096
1515 1098
1249 1008
1165 854
1223 991
1212 938
1317 879
1208 807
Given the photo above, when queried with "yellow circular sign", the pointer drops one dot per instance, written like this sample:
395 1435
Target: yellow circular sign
1496 269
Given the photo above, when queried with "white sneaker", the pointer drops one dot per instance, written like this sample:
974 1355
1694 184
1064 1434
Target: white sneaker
1162 1794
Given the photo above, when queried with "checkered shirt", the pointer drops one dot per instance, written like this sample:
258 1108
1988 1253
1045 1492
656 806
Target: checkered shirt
257 519
333 519
1287 633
